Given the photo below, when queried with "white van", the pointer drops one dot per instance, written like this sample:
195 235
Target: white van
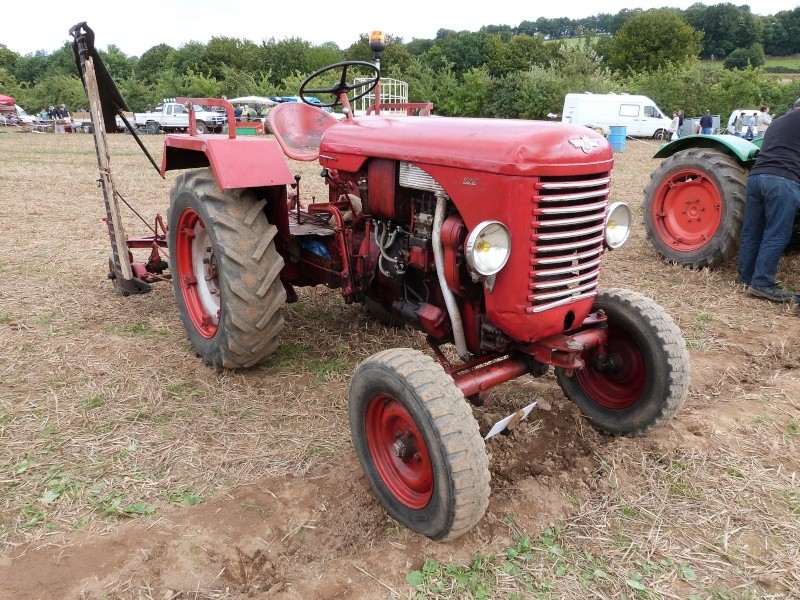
639 114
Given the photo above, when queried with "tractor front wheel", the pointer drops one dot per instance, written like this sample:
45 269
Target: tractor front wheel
639 379
418 443
225 270
694 206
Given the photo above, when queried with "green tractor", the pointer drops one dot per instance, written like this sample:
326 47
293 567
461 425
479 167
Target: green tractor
694 202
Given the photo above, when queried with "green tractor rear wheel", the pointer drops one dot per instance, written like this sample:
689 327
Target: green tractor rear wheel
694 206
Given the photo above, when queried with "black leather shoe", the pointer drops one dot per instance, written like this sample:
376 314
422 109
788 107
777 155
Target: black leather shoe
773 293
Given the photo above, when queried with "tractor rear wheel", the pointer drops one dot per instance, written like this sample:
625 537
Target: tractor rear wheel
418 443
694 206
225 270
639 379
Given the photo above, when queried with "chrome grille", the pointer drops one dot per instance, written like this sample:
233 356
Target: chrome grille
567 234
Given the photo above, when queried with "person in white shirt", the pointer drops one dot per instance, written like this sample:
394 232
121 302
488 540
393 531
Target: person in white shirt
764 119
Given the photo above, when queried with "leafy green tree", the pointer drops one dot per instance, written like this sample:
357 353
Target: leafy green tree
55 89
439 86
498 57
318 57
504 31
196 85
527 28
652 40
235 82
153 62
782 33
675 86
757 56
725 27
604 23
469 98
619 20
464 50
227 53
738 59
742 58
30 68
526 95
435 59
137 93
283 58
748 87
418 47
515 53
119 64
62 61
8 58
581 69
189 58
8 84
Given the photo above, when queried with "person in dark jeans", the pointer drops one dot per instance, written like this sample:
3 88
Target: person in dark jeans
773 199
707 123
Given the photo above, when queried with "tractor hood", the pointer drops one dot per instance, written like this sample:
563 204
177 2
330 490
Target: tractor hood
502 146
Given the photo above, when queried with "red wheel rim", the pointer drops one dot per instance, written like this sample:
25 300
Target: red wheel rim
687 211
197 273
622 385
398 451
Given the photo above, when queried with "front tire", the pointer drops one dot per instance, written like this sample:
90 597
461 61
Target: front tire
694 206
644 379
418 443
201 128
226 271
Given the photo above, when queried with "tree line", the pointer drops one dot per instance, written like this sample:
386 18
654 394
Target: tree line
498 71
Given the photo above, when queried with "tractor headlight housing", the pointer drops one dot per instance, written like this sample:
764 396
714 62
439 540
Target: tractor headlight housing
618 225
488 247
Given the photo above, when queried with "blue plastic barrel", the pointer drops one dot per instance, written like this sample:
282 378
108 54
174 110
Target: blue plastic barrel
616 137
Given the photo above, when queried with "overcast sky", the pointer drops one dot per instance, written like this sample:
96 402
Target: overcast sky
135 27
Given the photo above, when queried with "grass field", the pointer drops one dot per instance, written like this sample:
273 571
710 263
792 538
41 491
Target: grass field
129 470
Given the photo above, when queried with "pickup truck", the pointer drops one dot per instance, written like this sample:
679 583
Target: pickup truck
171 117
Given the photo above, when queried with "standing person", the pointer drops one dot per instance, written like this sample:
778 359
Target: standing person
706 123
773 199
673 127
63 113
752 123
680 122
237 112
763 119
738 125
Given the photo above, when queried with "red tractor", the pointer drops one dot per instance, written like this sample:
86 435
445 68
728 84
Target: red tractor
486 234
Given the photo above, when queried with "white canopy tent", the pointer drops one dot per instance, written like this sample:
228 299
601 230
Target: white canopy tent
252 100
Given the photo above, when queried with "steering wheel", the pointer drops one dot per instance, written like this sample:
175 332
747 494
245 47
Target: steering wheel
342 87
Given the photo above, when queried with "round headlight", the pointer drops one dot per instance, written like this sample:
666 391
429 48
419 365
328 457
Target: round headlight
618 225
488 247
